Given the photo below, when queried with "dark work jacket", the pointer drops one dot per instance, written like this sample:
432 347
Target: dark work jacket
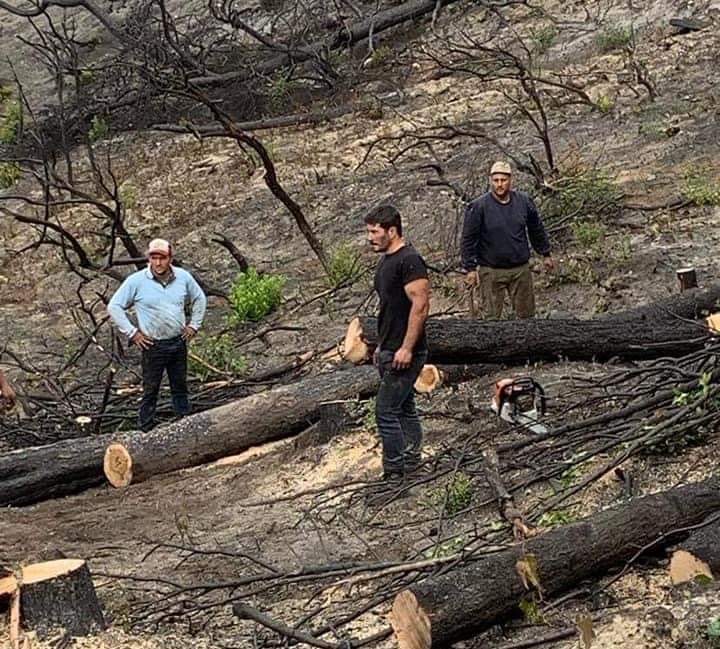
496 234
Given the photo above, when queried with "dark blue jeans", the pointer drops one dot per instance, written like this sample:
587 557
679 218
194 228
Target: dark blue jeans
165 355
397 419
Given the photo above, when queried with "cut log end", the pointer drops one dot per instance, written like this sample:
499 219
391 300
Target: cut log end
37 572
685 567
8 585
429 379
117 465
410 623
355 349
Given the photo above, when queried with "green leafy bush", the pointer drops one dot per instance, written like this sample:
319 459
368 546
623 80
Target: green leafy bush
253 296
543 38
369 420
589 234
456 495
581 193
556 517
9 174
614 37
713 632
215 353
99 129
344 265
11 121
604 104
701 188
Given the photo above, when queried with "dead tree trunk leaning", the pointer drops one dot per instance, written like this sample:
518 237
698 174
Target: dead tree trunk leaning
33 474
662 328
441 610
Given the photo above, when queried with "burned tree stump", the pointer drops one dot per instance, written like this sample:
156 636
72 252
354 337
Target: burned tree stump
687 278
59 594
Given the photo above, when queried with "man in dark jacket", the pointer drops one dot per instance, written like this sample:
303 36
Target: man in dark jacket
495 247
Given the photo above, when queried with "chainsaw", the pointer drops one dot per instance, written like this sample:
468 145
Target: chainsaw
520 401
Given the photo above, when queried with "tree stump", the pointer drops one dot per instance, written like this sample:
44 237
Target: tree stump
687 278
59 594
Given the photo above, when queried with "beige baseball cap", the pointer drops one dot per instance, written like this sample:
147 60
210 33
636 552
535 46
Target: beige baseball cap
159 246
501 167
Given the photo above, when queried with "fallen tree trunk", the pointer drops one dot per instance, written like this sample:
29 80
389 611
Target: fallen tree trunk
663 328
32 474
443 609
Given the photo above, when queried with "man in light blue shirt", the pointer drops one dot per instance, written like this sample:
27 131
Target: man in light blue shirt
159 294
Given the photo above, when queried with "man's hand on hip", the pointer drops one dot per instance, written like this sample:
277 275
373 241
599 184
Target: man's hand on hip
188 333
471 278
8 397
402 359
549 264
142 341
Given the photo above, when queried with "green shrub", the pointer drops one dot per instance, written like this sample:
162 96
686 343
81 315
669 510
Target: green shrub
9 174
10 125
604 104
369 420
279 91
447 548
543 38
216 352
589 234
253 296
581 193
344 265
701 188
456 495
713 632
614 37
99 129
556 517
5 94
380 56
86 77
128 195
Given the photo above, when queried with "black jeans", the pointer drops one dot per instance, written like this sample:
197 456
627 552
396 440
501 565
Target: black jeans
165 355
397 419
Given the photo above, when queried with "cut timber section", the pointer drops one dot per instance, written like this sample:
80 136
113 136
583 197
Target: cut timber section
440 610
52 595
32 474
668 327
229 429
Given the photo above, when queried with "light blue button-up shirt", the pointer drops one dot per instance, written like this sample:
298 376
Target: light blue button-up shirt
159 309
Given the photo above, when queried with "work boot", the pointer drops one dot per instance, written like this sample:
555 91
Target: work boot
388 488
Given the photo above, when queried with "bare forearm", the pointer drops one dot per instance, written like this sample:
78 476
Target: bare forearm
416 324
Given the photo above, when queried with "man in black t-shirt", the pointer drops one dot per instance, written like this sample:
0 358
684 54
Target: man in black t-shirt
401 281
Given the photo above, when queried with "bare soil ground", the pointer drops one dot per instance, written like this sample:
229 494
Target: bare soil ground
187 190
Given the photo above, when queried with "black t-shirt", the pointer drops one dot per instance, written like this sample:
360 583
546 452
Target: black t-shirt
393 273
